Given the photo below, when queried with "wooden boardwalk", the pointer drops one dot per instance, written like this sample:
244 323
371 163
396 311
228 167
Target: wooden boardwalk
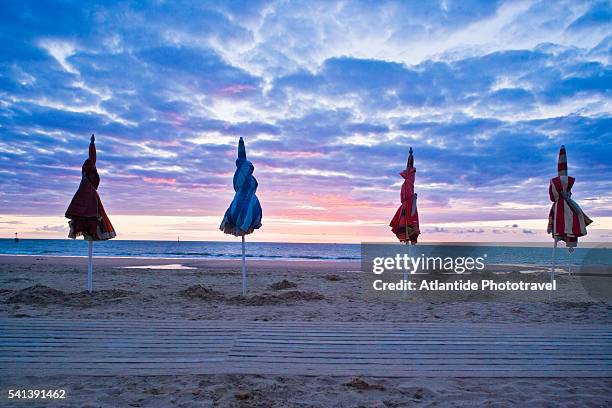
163 347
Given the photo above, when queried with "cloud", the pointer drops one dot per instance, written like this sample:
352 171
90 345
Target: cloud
52 228
598 15
329 96
11 222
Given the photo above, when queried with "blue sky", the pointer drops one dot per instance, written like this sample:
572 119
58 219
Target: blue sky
328 96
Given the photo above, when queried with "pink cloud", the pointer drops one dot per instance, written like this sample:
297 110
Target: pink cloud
295 155
236 89
159 180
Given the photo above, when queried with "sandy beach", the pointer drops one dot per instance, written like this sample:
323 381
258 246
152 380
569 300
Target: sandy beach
278 290
322 391
34 286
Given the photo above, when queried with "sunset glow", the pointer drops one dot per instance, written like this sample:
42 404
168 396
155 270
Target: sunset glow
327 109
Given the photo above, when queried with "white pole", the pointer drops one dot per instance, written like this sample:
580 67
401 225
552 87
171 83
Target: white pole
569 263
406 272
552 271
90 267
244 273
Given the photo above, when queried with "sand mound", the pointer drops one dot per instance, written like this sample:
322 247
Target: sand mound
201 292
250 395
265 299
284 284
37 295
101 295
44 295
362 385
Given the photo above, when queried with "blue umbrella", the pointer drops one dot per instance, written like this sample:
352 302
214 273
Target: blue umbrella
244 213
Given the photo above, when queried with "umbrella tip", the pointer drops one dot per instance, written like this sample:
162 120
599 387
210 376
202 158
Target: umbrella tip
410 162
241 149
93 138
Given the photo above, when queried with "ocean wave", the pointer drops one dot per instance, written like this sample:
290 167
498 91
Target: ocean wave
276 251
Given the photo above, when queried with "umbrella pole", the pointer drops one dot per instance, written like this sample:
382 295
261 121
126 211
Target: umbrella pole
244 272
407 242
552 270
569 263
90 267
406 276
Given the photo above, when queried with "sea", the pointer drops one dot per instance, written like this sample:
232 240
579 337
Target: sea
525 255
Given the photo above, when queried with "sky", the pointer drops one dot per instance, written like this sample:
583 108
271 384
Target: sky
328 96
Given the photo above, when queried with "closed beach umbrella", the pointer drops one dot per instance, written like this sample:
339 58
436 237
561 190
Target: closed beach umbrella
244 213
405 223
86 212
566 220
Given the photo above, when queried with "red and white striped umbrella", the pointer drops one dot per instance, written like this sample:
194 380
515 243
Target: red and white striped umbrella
566 220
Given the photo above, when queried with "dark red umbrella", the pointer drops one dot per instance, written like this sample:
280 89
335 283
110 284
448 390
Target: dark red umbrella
405 223
86 212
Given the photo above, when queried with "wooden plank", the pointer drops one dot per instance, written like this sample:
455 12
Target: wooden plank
110 332
429 367
374 359
409 333
315 346
135 325
429 353
90 359
123 371
107 365
166 347
421 347
381 338
264 325
124 352
109 348
405 333
189 332
277 322
194 324
323 362
353 366
441 342
223 351
117 339
339 334
271 370
412 329
601 353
